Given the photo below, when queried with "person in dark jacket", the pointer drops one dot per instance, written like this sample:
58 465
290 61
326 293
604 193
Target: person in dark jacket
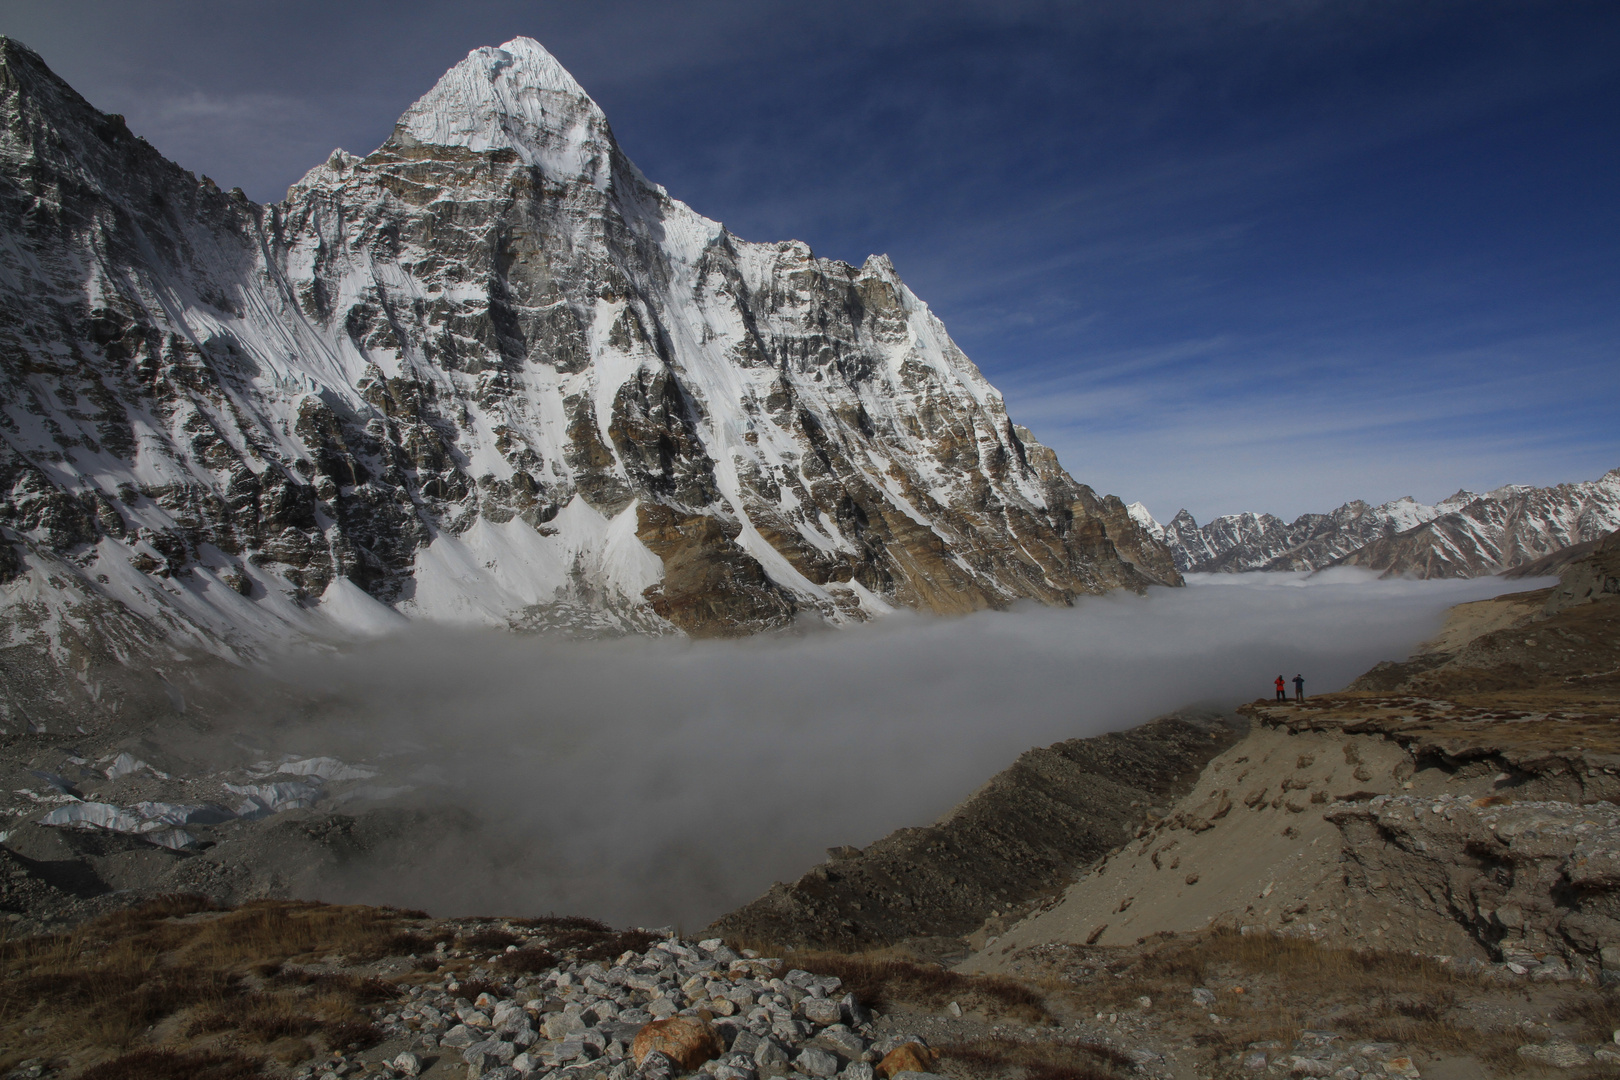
1282 689
1299 688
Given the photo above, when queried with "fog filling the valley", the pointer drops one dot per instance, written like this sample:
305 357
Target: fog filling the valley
660 782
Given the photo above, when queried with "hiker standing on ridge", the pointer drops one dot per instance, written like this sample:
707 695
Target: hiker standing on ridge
1299 688
1282 689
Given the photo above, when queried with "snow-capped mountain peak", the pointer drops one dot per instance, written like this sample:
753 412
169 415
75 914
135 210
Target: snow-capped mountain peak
516 97
485 374
1144 517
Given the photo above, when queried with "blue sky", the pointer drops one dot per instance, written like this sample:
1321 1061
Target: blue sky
1225 255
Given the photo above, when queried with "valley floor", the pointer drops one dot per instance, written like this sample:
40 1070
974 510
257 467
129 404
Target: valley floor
1417 876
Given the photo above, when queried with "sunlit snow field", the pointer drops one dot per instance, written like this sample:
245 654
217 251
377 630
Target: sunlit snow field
656 782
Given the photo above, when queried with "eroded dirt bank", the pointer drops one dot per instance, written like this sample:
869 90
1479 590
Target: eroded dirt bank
1016 840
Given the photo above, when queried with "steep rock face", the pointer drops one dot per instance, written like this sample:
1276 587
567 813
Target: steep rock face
1466 535
488 373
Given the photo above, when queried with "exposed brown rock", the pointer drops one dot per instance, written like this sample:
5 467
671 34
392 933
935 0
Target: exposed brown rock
908 1057
711 587
686 1040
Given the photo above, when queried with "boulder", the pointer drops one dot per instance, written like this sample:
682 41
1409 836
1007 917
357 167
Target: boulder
687 1041
854 1013
562 1025
909 1057
813 1062
656 1066
770 1053
821 1011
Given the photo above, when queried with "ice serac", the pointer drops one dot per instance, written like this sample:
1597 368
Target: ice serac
488 373
1465 535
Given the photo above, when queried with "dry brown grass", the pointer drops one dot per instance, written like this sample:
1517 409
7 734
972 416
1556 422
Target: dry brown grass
563 922
168 1065
111 982
1271 987
884 980
526 962
471 988
603 946
491 938
1596 1011
1055 1059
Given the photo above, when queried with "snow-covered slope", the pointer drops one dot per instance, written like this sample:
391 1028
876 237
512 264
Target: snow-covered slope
487 374
1466 535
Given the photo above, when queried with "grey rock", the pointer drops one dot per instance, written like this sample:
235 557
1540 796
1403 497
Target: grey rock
769 1053
858 1070
790 1030
406 1064
1559 1055
822 1011
459 1037
493 1050
814 1062
657 1066
854 1013
843 1042
562 1025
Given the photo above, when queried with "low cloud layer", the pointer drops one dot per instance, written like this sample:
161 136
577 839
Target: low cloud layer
663 782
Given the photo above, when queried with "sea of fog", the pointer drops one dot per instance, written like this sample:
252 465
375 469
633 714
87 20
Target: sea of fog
661 782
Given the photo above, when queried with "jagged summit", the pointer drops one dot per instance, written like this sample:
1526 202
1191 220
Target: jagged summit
518 98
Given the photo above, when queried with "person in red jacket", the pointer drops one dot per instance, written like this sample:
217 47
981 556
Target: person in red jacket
1282 689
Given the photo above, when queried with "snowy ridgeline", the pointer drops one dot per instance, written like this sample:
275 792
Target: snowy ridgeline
1464 536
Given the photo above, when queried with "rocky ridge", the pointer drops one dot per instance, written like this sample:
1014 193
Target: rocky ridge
1466 535
488 373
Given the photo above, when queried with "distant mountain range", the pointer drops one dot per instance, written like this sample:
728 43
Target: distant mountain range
1467 535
